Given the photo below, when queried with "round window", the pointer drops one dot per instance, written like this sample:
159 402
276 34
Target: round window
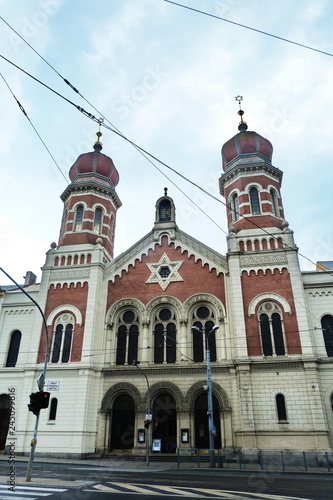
203 312
128 316
164 314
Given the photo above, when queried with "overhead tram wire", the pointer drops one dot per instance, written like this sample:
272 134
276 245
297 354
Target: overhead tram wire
261 32
36 131
92 117
144 153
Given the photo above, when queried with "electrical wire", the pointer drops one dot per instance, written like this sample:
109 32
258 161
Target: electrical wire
39 136
249 28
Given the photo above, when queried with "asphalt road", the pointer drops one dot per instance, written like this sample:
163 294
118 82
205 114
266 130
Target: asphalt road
89 482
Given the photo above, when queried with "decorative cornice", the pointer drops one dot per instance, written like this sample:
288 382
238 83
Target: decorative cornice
70 274
263 260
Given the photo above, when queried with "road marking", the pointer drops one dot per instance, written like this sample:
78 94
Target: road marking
27 492
182 491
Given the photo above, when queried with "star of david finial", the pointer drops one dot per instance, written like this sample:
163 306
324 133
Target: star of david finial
243 125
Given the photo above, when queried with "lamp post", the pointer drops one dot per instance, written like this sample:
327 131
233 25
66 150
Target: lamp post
41 378
148 416
211 428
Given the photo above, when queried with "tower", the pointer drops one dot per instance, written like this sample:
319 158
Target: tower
91 202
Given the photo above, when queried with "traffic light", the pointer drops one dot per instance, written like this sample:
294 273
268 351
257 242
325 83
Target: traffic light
35 403
38 400
147 424
45 399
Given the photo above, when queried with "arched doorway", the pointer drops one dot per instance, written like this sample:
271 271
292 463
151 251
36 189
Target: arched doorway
4 419
165 422
122 427
201 422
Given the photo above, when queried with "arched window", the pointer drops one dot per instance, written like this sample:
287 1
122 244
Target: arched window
63 222
78 218
327 327
165 211
98 220
14 348
281 408
254 201
53 409
271 331
62 338
274 202
203 318
235 207
165 336
127 338
112 220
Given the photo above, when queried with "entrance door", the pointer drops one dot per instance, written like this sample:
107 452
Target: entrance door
4 419
122 428
201 422
165 422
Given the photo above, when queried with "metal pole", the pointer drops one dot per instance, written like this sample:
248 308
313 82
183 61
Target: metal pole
41 380
210 408
148 440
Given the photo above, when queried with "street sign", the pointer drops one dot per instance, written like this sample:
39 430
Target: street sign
149 416
53 386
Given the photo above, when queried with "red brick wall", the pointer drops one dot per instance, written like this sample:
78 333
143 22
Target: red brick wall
197 279
253 285
75 296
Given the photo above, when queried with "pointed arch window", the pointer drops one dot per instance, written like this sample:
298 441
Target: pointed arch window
281 408
235 207
78 218
127 338
98 218
327 327
165 336
62 339
271 330
203 318
14 348
254 201
274 202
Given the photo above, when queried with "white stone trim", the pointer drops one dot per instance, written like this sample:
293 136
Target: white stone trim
268 296
74 310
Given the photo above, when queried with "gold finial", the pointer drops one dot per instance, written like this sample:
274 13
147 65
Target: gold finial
242 125
99 133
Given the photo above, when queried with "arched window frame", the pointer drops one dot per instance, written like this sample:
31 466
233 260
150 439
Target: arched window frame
235 207
98 220
274 202
164 209
281 409
78 220
205 323
270 319
127 336
165 335
63 222
13 349
254 200
62 341
327 329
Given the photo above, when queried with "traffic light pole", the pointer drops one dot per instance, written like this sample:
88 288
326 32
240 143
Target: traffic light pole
148 440
42 378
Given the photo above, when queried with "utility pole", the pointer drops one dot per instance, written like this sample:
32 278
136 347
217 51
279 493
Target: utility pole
148 419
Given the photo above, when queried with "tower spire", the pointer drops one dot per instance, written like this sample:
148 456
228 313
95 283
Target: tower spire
242 125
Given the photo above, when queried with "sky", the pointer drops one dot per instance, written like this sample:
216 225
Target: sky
167 78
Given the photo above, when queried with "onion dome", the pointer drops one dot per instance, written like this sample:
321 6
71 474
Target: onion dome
94 166
245 144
